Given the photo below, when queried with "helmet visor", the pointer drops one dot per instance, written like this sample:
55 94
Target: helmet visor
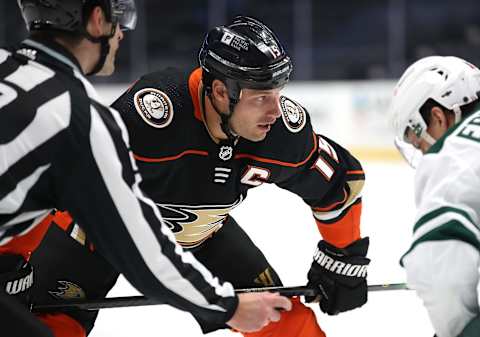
409 152
124 12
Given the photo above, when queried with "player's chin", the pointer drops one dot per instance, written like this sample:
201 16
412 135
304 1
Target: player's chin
106 71
108 68
257 136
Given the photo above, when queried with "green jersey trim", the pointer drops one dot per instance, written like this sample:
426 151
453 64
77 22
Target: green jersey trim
445 223
438 145
451 230
437 212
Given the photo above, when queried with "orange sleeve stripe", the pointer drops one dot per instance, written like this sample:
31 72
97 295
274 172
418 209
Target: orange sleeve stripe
238 156
356 172
345 230
180 155
278 162
132 85
332 206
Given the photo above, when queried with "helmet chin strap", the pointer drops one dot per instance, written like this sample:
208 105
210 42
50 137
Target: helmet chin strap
428 138
225 119
104 50
457 112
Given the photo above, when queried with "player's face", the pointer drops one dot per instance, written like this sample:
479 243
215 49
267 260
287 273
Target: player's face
255 113
417 142
109 66
439 123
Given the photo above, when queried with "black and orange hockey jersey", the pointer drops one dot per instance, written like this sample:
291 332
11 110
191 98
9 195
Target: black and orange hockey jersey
196 182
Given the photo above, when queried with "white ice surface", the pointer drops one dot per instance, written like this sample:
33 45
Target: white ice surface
282 226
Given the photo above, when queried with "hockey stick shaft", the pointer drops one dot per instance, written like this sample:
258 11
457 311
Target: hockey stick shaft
135 301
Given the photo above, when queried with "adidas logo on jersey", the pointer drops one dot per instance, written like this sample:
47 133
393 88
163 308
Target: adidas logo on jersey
29 53
339 267
19 285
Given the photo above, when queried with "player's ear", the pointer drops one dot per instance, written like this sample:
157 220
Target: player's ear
439 118
219 91
97 24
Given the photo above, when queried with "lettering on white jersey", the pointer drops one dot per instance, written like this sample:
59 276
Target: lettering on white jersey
471 130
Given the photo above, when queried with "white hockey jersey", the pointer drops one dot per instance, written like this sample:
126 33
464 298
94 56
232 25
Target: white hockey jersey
442 264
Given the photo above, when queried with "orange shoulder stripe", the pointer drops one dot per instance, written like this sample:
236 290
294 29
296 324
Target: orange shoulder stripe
193 85
170 158
278 162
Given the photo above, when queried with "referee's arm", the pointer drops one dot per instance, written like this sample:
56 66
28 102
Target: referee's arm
103 195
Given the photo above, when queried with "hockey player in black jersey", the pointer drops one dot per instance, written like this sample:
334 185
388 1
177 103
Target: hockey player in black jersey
202 138
62 149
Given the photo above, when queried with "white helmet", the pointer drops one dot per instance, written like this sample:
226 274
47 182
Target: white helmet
450 81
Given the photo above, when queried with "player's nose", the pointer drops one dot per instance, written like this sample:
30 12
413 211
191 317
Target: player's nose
275 110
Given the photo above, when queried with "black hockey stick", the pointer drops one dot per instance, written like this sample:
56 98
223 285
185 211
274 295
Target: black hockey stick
135 301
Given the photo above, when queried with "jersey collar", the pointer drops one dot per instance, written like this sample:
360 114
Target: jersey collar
56 51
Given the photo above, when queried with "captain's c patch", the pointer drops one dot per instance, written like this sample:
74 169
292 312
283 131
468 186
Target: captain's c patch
154 106
293 115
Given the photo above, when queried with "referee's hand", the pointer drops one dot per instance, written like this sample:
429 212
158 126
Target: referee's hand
256 310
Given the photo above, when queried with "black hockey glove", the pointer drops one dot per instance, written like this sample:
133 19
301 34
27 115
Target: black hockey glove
340 275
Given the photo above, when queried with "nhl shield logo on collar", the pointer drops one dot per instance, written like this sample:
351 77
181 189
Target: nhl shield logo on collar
225 152
154 106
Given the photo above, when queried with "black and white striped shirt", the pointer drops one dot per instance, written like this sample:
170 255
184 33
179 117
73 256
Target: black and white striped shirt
60 148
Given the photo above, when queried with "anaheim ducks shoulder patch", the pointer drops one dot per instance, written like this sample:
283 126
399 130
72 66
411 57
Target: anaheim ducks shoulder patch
293 115
154 106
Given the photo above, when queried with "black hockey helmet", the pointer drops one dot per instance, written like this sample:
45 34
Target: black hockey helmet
243 54
69 15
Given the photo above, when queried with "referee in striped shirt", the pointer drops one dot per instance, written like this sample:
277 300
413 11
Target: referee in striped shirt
60 148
